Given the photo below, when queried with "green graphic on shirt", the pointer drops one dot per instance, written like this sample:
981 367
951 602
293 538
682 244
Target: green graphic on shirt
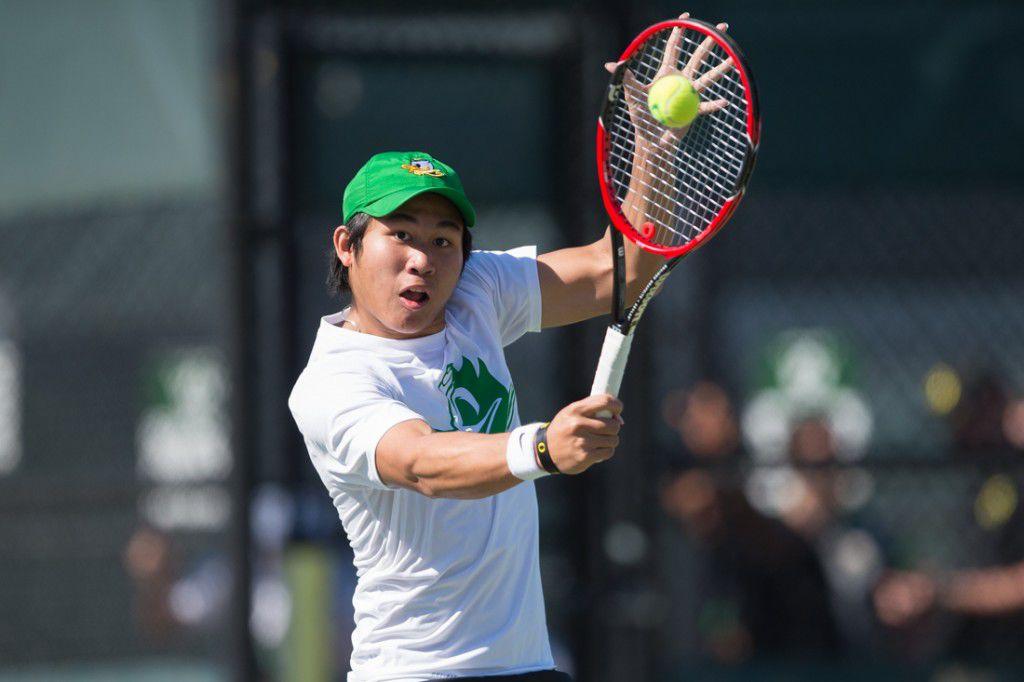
476 400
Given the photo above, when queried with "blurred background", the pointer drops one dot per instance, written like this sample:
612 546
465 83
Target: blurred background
821 476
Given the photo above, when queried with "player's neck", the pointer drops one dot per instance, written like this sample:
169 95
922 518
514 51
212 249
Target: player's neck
361 321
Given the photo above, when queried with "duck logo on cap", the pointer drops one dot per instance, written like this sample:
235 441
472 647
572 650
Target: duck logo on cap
422 167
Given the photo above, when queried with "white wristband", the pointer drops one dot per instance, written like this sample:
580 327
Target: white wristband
519 453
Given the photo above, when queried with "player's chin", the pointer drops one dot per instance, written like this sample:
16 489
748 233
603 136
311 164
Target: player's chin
414 320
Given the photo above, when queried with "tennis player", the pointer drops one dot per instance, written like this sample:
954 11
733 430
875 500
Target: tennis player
409 414
410 417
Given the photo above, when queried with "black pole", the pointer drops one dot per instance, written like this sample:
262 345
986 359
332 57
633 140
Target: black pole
237 79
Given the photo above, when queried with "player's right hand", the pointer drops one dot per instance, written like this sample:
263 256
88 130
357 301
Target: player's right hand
578 438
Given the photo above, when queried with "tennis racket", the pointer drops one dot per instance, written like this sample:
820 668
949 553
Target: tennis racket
670 190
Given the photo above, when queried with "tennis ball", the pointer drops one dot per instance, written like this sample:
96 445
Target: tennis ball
673 101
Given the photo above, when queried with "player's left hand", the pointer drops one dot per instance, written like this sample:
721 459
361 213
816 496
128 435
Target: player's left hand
649 133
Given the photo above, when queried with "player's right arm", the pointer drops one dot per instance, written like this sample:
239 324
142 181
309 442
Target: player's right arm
457 464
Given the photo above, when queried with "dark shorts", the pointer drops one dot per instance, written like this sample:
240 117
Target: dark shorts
539 676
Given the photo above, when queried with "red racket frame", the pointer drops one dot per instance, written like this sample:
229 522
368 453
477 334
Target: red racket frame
614 208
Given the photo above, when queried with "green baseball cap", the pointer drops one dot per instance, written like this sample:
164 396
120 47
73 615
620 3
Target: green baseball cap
390 179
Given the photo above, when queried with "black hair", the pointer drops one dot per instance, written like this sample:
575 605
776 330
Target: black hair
337 274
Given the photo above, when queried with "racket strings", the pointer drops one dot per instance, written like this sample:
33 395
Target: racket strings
725 154
698 174
655 208
664 157
708 201
699 206
687 181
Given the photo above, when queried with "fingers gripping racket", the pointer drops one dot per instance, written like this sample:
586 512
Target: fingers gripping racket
669 190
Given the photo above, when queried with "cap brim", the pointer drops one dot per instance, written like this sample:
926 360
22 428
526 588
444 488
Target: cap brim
391 202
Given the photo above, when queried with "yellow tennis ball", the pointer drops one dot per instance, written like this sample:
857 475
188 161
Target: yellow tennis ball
673 101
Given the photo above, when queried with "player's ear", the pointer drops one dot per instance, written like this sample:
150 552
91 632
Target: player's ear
343 245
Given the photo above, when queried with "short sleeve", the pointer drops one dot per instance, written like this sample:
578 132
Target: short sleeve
511 279
342 417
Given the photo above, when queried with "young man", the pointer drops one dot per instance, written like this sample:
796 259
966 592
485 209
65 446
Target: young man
410 417
409 414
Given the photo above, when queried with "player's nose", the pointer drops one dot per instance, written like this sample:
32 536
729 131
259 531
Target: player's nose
420 262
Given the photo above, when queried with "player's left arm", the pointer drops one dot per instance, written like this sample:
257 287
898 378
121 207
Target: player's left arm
576 282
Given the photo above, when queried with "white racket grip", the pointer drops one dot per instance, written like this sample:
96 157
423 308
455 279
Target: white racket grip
611 365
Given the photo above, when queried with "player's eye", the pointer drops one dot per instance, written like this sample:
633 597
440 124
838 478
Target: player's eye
441 241
402 235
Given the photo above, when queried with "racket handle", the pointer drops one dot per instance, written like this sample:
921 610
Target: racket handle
611 365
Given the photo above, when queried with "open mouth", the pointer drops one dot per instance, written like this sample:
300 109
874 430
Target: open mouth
413 298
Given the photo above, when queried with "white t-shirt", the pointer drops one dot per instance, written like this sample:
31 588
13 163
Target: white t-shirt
446 587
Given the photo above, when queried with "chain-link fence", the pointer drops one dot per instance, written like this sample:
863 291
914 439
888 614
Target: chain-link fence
845 484
821 472
115 454
860 314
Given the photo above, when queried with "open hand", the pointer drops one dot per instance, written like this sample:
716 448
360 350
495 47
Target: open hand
650 133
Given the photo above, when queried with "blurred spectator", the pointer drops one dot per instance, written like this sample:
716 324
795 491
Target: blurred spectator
980 610
978 419
151 564
1013 423
174 597
811 449
850 555
705 421
763 591
986 603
